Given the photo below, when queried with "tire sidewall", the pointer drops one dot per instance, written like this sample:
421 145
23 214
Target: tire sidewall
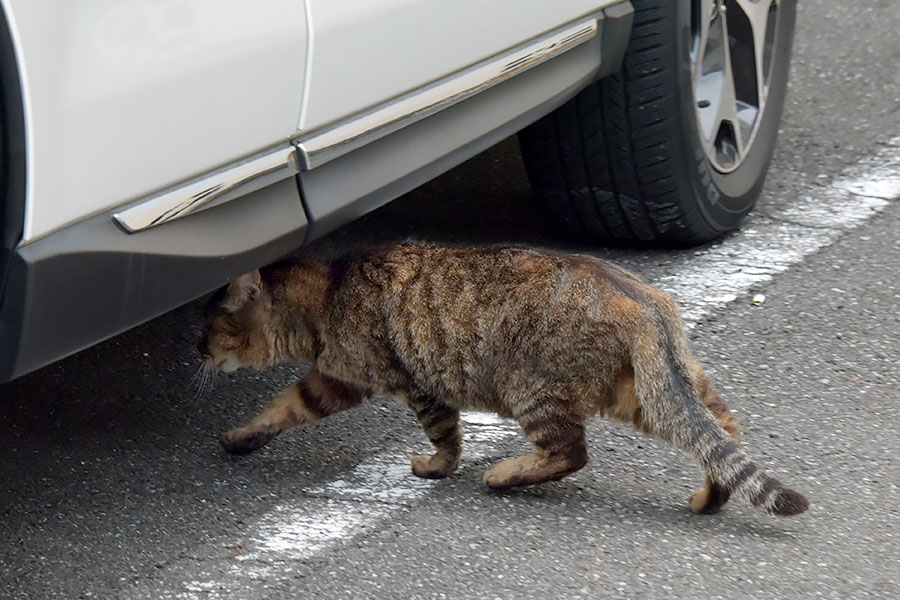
725 198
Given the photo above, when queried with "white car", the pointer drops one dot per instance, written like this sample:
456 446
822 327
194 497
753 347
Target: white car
154 149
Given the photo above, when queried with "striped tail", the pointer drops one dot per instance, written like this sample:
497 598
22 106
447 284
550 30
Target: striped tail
732 469
674 410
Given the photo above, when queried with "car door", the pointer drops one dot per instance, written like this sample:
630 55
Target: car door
365 52
127 97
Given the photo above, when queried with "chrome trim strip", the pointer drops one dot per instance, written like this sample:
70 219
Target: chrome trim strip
211 190
320 147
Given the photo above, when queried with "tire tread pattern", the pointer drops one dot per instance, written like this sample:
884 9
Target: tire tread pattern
605 163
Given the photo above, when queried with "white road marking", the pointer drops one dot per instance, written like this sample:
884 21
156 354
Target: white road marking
345 508
770 244
356 503
702 283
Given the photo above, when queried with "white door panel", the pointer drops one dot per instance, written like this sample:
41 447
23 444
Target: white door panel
367 51
124 97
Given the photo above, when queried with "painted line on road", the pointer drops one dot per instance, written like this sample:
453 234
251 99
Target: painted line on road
339 510
701 283
359 501
771 243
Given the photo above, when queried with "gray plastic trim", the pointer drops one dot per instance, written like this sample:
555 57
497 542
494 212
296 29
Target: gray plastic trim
91 280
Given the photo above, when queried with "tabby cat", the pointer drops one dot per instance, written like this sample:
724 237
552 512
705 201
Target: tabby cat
544 338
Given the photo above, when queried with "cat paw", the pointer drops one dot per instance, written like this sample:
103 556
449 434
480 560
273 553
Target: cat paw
504 475
431 467
239 441
708 500
532 469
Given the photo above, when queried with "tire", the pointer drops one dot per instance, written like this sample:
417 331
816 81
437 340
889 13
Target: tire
638 157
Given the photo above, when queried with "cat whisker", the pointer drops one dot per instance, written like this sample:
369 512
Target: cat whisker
204 379
213 374
196 377
197 381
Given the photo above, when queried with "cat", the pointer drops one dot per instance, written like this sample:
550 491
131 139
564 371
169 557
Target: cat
545 338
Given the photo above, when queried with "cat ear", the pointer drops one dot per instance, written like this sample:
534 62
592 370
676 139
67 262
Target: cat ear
242 290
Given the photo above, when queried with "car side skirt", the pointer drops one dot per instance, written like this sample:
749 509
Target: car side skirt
91 280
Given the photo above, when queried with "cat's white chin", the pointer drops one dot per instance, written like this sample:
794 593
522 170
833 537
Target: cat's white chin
230 364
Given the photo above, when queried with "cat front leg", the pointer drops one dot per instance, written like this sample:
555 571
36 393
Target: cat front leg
312 398
441 425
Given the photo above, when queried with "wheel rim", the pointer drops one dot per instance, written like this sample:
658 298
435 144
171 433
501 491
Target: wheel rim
732 55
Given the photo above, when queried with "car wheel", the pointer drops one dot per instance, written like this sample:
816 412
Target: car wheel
674 148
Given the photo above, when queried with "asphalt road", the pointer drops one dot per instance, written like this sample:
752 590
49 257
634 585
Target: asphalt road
112 484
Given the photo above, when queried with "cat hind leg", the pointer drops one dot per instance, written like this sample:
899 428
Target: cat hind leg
626 406
675 408
558 438
712 496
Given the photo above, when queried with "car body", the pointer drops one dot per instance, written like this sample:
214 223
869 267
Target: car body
154 150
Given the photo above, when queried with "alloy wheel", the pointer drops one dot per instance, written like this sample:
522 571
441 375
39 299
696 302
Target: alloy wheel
732 53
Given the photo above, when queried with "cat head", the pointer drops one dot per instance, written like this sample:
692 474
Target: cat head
238 326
